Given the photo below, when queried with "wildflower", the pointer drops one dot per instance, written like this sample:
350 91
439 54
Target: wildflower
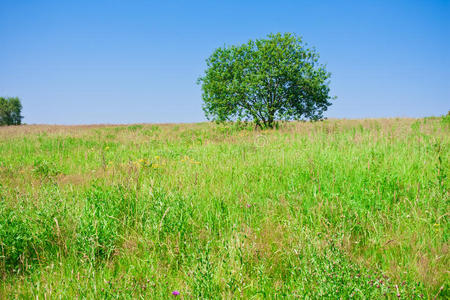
436 226
249 205
175 293
106 148
157 157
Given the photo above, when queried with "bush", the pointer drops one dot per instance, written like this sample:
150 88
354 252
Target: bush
10 109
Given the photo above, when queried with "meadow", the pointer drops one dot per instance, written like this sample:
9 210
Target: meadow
331 209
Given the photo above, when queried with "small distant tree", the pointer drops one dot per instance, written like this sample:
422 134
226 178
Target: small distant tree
10 109
275 78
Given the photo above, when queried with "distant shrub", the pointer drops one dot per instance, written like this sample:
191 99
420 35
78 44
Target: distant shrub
10 109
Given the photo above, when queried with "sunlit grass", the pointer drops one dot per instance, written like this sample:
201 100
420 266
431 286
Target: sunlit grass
332 209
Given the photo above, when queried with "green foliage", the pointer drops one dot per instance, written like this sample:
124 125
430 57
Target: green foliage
10 109
275 78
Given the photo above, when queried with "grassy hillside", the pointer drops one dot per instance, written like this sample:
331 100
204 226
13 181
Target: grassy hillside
332 209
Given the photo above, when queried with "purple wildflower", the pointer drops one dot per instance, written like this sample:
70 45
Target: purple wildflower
175 293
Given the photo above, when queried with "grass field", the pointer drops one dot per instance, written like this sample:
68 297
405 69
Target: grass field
339 208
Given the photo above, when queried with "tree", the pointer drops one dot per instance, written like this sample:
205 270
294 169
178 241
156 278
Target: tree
10 109
275 78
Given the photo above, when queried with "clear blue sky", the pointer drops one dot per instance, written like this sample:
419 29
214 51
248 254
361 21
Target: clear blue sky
130 61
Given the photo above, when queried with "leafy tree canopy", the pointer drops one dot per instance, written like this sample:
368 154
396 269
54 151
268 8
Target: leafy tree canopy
275 78
10 109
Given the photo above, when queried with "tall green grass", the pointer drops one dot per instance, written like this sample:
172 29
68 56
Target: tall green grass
332 209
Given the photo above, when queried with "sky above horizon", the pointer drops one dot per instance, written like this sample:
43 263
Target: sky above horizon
85 62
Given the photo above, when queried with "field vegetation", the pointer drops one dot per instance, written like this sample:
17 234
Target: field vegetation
330 209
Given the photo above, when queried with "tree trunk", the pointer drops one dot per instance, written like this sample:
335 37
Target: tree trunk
271 119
